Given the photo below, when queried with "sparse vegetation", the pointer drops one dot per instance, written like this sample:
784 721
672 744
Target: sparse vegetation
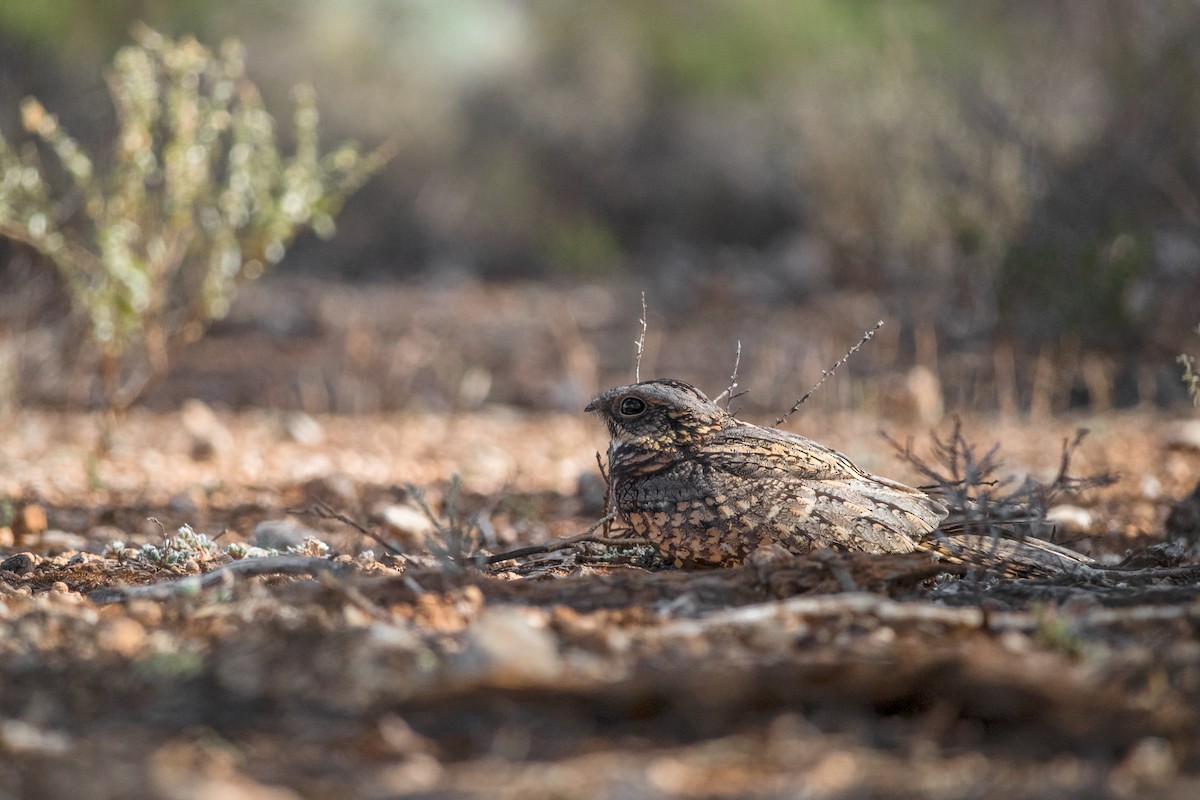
981 500
195 199
455 536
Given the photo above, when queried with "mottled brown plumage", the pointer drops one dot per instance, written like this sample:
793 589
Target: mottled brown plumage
708 489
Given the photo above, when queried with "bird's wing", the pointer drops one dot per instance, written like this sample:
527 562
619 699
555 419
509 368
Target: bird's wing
829 501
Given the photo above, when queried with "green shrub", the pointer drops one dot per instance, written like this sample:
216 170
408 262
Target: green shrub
197 198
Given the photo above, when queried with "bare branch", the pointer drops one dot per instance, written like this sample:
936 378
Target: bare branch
322 510
826 373
729 394
563 544
641 344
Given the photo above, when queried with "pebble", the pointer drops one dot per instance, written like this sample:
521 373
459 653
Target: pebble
1183 435
1151 761
123 635
505 648
183 504
29 521
1150 487
20 563
407 523
280 534
145 612
1072 519
19 737
56 541
303 429
209 435
337 490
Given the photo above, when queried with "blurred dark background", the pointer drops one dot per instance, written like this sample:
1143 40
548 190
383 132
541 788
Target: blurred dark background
1013 184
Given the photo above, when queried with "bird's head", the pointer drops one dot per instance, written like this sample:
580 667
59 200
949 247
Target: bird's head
660 416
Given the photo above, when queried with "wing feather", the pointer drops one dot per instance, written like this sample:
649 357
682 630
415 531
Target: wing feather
843 505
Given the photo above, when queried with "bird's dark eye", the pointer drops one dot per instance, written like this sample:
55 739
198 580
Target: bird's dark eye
632 406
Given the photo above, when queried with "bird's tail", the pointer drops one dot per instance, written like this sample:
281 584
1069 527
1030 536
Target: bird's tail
1020 557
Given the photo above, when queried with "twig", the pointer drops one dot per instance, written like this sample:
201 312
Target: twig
609 515
641 344
322 510
1069 446
418 497
729 394
826 373
1064 482
563 544
226 575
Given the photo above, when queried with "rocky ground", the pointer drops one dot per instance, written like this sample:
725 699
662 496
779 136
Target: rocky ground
265 651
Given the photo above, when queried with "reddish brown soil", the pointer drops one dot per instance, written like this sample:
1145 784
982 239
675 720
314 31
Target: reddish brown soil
579 673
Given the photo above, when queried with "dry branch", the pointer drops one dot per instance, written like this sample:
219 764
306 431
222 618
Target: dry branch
641 344
322 510
827 373
563 544
729 394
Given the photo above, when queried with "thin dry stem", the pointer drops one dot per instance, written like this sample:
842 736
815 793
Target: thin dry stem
641 344
827 373
322 510
587 536
729 394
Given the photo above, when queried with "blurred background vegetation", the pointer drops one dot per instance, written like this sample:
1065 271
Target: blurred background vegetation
1014 184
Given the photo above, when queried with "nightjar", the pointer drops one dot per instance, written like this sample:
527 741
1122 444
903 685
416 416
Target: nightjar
708 489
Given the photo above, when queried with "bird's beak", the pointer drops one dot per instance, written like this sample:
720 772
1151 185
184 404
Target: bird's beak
592 406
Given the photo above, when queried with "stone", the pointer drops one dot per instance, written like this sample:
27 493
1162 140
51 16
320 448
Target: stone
280 534
20 563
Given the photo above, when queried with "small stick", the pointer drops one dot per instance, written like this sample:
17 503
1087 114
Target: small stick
608 512
563 544
418 497
1068 452
641 344
322 510
728 394
826 373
